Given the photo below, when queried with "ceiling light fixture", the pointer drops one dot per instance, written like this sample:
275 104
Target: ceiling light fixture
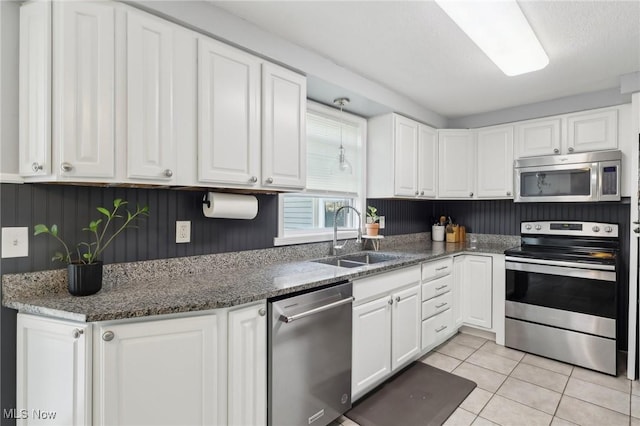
501 30
343 166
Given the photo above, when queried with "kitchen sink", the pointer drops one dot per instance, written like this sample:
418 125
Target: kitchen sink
357 260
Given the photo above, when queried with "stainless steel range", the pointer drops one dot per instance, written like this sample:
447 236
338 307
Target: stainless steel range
562 285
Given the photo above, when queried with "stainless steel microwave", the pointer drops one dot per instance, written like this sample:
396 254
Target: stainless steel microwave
587 177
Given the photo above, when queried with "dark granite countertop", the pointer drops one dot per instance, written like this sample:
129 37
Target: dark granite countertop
137 297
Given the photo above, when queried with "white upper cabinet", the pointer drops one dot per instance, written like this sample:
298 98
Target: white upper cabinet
592 131
35 89
538 137
495 162
228 115
83 90
401 158
456 152
151 147
406 156
427 161
595 130
284 153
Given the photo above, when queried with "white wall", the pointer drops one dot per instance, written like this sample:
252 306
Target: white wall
9 28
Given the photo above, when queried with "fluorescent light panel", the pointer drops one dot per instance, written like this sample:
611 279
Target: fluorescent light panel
500 29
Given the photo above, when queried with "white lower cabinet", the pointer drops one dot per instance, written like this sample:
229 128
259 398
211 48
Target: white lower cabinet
205 369
476 290
386 326
53 369
157 372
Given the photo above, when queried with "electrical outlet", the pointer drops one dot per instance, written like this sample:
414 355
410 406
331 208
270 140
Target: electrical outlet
15 242
381 222
183 231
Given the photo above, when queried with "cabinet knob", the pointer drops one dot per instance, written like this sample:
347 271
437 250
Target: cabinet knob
636 230
253 179
471 194
570 149
77 332
417 193
269 180
556 150
168 173
390 301
508 193
66 167
108 336
36 167
398 299
262 312
421 192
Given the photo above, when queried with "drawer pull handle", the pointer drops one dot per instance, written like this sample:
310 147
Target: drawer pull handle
442 268
438 306
438 330
441 287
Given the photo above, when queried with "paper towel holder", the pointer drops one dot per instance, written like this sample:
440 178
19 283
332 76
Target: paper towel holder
206 200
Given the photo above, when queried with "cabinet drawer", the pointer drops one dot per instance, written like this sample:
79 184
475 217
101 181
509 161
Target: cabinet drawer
436 305
376 285
436 328
436 287
437 268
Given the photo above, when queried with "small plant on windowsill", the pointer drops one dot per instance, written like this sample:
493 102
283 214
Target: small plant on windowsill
372 226
84 270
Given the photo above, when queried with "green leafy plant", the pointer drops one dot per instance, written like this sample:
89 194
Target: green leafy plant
372 214
88 252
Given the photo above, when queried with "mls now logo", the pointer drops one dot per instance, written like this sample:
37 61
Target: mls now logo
14 413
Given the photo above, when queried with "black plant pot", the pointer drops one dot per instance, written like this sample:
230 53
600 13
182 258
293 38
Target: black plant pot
84 279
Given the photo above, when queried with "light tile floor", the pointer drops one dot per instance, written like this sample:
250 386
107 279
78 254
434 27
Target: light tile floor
521 389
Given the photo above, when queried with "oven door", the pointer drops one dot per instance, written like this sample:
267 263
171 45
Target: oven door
568 295
560 183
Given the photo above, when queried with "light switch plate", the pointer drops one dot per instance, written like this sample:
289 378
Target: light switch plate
15 242
381 222
183 231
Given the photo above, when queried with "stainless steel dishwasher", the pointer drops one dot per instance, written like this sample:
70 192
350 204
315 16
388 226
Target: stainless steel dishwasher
310 357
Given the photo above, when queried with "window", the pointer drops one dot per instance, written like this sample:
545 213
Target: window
309 216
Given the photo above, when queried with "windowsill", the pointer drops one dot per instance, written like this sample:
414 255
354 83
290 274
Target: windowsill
312 238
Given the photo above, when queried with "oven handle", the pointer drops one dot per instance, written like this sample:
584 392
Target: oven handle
588 266
562 271
319 309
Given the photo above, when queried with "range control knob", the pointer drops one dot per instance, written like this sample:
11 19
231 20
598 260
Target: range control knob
596 229
538 227
527 227
608 229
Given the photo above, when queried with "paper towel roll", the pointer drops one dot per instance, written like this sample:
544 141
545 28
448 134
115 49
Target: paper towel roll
229 206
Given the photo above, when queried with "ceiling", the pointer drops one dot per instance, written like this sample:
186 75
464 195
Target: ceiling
414 49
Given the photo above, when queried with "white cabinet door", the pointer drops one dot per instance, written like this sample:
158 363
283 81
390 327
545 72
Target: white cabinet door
495 162
284 148
405 329
228 115
247 366
371 344
592 131
538 137
406 156
427 161
157 372
53 368
84 89
151 149
35 89
477 295
458 278
456 155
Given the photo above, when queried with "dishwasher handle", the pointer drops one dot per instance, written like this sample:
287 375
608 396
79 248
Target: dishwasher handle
313 311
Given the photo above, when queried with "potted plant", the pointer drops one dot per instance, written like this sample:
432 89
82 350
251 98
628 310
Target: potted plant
84 270
372 224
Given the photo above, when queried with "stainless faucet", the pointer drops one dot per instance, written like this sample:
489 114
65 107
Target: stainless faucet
335 229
